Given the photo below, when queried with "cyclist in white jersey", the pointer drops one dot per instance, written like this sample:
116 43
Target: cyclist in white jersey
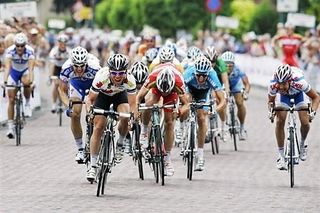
112 85
288 82
19 65
76 77
58 55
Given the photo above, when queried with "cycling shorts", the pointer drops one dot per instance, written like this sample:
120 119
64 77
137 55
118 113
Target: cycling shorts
301 100
104 101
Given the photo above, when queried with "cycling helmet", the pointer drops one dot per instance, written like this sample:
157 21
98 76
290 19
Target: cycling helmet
118 62
63 38
140 72
166 54
151 54
228 56
211 53
79 55
20 38
202 65
193 53
283 73
165 80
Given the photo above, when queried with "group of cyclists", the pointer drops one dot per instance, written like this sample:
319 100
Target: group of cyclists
154 75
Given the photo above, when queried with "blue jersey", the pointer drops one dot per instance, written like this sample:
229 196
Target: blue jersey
191 80
235 79
84 81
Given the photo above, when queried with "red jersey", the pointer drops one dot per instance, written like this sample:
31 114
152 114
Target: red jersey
290 46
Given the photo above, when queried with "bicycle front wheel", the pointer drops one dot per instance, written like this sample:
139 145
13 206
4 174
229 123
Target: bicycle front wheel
233 127
190 151
137 149
18 122
214 136
159 155
291 159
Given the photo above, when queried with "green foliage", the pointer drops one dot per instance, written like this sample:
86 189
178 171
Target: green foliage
265 18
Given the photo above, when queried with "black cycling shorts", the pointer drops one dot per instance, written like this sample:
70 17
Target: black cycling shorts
199 95
104 101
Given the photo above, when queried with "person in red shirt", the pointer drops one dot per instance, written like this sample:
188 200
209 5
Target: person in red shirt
290 44
164 81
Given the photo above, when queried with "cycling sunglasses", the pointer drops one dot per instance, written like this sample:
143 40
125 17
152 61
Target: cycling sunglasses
120 73
20 45
79 65
201 74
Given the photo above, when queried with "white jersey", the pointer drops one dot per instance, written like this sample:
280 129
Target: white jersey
18 63
102 83
297 84
58 57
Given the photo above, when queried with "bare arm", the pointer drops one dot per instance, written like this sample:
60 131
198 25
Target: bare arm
222 100
63 92
141 94
92 96
246 84
132 102
31 64
225 81
7 69
315 99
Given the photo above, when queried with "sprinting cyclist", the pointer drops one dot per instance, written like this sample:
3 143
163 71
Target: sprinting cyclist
112 85
58 55
200 80
75 78
193 54
288 82
166 54
239 87
19 65
164 81
150 55
221 69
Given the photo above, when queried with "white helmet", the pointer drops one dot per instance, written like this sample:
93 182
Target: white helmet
202 65
211 53
79 55
20 38
63 38
118 62
151 54
166 54
283 73
140 72
166 80
193 53
228 56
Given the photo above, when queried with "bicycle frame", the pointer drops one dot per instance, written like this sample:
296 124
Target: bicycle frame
233 120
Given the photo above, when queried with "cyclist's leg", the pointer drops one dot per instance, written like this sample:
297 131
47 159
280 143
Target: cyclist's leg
223 116
25 80
55 88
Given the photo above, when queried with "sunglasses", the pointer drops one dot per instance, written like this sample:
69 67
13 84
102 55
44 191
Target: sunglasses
20 45
115 73
79 65
201 75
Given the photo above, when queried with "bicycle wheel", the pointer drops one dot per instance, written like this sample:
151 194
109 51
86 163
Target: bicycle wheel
291 154
214 136
109 160
159 155
137 149
60 111
18 122
89 130
153 158
103 163
190 150
233 128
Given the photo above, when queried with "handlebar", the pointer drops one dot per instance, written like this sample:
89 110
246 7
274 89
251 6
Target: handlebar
97 111
156 106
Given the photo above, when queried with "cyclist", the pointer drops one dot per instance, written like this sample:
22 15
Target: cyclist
112 85
76 77
166 54
288 82
58 55
200 80
164 81
150 55
239 87
221 69
290 44
193 54
19 65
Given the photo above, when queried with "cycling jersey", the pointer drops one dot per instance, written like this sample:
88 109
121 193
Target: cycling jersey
297 84
178 89
20 64
79 84
290 46
102 83
235 80
58 57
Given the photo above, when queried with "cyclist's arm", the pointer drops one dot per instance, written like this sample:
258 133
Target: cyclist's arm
31 64
132 101
7 69
92 96
315 99
225 81
184 110
141 94
219 94
246 84
271 101
63 91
